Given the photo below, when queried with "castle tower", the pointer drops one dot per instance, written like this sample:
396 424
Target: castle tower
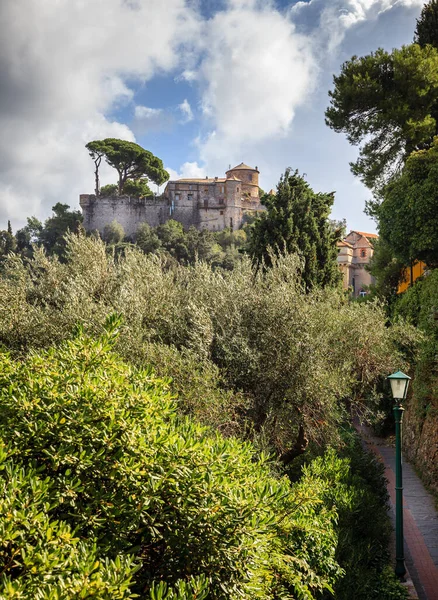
249 178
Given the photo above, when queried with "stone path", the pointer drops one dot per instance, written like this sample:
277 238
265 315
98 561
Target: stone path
419 517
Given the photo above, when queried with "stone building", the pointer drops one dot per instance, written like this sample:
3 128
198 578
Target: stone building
210 203
354 252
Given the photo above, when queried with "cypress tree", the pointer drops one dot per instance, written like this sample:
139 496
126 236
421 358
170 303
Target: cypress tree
297 220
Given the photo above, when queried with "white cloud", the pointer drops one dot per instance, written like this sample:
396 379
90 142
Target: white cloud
186 110
257 71
187 171
63 67
188 75
338 16
144 112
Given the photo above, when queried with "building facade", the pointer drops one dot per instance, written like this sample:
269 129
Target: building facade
354 253
210 203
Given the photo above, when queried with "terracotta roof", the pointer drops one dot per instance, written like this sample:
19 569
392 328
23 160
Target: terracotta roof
242 166
200 180
233 178
367 235
343 243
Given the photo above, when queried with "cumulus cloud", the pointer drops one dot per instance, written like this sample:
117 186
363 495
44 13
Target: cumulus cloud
254 81
145 112
336 17
63 68
66 67
151 120
189 170
186 110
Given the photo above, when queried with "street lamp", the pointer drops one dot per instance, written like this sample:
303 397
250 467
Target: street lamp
399 387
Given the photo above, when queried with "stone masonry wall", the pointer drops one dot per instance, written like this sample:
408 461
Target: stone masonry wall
127 211
211 204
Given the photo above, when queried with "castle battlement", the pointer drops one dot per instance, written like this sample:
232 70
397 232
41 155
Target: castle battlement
210 203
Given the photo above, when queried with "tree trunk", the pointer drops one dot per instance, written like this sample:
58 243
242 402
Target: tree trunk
298 448
96 174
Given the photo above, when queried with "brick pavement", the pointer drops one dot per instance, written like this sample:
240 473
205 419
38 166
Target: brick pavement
420 519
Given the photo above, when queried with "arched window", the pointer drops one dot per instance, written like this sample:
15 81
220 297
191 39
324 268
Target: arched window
363 253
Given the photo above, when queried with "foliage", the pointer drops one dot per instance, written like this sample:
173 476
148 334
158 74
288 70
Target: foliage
51 235
129 477
8 242
387 271
41 557
219 249
426 31
386 102
146 238
357 490
419 305
295 357
110 189
296 220
56 226
113 233
138 188
408 216
131 161
28 235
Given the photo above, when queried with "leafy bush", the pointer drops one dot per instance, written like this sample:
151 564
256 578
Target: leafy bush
419 305
300 360
41 557
110 189
138 188
128 477
358 493
113 233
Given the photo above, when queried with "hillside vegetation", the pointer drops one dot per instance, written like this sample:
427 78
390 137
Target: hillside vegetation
157 482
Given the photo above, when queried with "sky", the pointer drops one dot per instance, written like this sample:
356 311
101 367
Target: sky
203 84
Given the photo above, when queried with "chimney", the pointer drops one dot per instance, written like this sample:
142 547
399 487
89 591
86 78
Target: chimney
215 178
256 168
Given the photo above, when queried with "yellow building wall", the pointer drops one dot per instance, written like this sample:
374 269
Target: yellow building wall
417 271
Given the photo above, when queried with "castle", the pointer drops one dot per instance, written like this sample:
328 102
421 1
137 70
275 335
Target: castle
210 203
354 253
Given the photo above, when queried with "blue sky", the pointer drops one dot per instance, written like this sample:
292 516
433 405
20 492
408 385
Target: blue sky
202 84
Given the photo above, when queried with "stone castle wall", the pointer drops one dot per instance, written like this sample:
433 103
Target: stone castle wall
127 211
211 206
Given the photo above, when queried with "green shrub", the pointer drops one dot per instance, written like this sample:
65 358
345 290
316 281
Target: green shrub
138 188
129 477
113 233
41 557
358 493
110 189
419 305
300 360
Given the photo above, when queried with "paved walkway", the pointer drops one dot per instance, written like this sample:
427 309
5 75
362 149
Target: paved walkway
420 519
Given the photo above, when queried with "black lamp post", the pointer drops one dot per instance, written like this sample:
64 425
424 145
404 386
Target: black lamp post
399 387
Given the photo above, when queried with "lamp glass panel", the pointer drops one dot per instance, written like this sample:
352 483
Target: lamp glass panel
399 388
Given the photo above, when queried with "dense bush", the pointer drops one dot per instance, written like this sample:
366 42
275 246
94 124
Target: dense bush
357 490
419 305
145 494
97 452
174 244
281 362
